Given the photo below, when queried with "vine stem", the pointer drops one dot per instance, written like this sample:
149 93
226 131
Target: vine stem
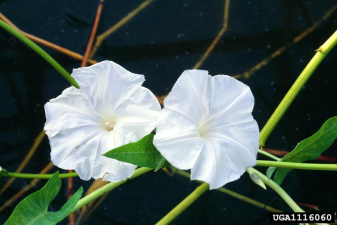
267 163
296 87
284 195
83 64
268 155
182 206
46 43
37 176
92 34
128 17
39 51
300 166
106 188
322 158
233 194
28 156
29 186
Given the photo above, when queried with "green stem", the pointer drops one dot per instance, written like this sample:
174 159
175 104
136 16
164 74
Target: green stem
39 51
234 194
269 155
300 166
280 191
106 188
297 86
184 204
37 176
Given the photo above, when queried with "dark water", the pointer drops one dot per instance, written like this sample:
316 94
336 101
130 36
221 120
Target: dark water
164 39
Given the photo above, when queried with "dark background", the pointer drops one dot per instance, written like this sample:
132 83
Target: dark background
164 39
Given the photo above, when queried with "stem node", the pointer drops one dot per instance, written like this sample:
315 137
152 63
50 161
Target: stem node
319 49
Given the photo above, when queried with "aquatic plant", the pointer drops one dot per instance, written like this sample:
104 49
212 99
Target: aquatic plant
108 124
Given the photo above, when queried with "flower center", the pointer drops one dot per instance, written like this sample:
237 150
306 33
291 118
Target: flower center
203 131
109 125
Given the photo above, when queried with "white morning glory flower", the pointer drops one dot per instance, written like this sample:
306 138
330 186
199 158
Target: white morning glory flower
109 110
207 126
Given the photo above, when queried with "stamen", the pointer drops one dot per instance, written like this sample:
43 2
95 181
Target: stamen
110 125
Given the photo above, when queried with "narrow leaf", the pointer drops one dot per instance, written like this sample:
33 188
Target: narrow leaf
140 153
270 171
310 148
34 208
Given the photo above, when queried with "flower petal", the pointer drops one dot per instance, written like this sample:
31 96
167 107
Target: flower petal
222 160
177 138
191 94
78 139
106 85
111 109
76 106
87 160
69 117
235 107
138 113
218 110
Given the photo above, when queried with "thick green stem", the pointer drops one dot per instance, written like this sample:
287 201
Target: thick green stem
106 188
37 176
184 204
39 51
233 194
297 86
300 166
280 191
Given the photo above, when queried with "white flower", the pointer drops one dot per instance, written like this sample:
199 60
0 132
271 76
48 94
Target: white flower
109 110
207 126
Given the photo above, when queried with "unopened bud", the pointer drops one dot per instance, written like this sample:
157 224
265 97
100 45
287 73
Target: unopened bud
256 178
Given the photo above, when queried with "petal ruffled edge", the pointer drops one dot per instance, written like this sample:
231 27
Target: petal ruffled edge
97 69
106 85
196 116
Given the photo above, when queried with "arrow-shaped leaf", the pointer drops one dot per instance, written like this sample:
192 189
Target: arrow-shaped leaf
34 208
310 148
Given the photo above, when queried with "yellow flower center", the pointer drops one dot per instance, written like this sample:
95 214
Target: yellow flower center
110 125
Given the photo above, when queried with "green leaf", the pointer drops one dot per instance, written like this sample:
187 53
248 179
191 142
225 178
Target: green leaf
141 153
160 161
310 148
270 171
1 175
34 208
